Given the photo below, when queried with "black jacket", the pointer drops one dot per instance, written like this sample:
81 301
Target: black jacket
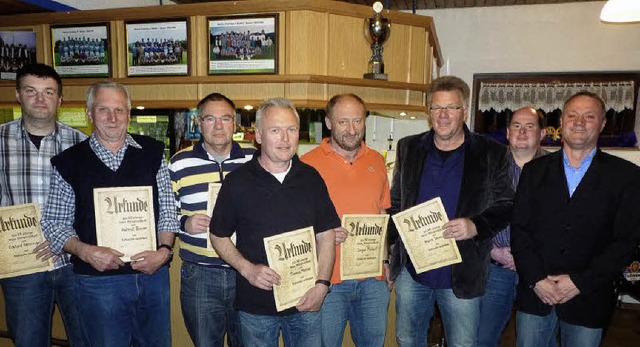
486 196
589 236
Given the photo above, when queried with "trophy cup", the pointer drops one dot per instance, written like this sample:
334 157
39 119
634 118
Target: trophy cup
377 29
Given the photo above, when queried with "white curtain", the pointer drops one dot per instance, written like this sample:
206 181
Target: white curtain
617 95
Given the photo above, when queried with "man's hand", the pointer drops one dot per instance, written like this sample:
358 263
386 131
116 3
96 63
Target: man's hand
101 258
341 235
43 252
149 262
197 224
503 256
565 287
459 229
545 290
261 276
312 299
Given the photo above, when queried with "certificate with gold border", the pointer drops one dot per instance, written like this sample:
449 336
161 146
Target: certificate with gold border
361 254
20 233
293 256
420 228
125 219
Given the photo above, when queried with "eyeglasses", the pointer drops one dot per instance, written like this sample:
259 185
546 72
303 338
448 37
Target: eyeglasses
226 119
448 108
47 93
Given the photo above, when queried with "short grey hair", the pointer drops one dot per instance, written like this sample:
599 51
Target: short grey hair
93 89
274 102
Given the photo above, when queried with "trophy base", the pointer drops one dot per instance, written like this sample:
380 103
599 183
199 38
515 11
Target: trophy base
376 76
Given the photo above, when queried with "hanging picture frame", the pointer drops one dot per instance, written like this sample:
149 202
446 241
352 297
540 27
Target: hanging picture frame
157 48
243 45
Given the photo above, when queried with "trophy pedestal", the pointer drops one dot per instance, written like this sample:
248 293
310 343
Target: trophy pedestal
376 76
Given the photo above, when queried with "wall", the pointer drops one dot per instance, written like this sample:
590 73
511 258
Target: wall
534 38
528 38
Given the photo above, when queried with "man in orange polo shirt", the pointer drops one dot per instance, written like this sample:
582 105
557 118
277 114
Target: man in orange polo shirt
357 180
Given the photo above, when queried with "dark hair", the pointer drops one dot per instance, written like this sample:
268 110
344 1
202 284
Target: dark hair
337 98
38 70
214 97
449 84
588 94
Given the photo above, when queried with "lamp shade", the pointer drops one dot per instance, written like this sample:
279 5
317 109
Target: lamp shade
621 11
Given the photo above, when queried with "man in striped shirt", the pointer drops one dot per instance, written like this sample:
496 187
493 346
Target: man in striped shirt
26 146
207 286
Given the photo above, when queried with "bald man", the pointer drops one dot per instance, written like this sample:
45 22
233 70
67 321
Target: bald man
524 133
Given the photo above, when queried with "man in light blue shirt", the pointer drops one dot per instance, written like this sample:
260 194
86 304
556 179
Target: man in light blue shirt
574 227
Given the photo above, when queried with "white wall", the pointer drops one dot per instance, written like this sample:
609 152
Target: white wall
533 38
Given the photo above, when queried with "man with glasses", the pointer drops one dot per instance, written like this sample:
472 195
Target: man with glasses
207 285
356 177
121 303
26 146
524 134
469 173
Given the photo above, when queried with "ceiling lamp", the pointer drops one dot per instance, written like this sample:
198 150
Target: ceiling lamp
621 11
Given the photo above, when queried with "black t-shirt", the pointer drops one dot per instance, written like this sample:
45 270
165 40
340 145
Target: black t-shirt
36 140
255 205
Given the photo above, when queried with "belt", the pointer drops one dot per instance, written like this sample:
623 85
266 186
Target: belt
496 263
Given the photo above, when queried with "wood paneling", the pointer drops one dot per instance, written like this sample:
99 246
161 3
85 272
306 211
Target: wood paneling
306 40
322 44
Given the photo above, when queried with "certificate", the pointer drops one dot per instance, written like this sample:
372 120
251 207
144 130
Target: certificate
361 254
20 233
420 228
212 196
125 220
293 256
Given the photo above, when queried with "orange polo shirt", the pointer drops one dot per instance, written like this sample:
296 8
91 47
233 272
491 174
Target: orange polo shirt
361 187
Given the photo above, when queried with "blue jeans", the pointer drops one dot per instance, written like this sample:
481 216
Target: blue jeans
364 304
415 306
206 296
298 329
124 310
29 301
535 331
496 305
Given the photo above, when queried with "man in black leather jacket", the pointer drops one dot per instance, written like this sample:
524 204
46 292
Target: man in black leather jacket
469 173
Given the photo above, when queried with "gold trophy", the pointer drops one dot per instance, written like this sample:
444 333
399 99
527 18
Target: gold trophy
377 29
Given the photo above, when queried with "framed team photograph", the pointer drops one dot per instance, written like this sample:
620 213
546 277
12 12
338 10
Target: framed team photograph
17 49
157 48
243 45
81 51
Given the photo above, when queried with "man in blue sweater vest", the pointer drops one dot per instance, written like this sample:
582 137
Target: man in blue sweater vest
122 302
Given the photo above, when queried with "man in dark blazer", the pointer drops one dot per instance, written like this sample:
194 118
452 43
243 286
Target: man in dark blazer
575 225
469 173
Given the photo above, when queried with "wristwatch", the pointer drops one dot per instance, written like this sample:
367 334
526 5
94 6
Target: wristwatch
326 283
167 247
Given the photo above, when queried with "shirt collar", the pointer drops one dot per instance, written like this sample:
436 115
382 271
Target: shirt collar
23 133
128 141
585 162
325 146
